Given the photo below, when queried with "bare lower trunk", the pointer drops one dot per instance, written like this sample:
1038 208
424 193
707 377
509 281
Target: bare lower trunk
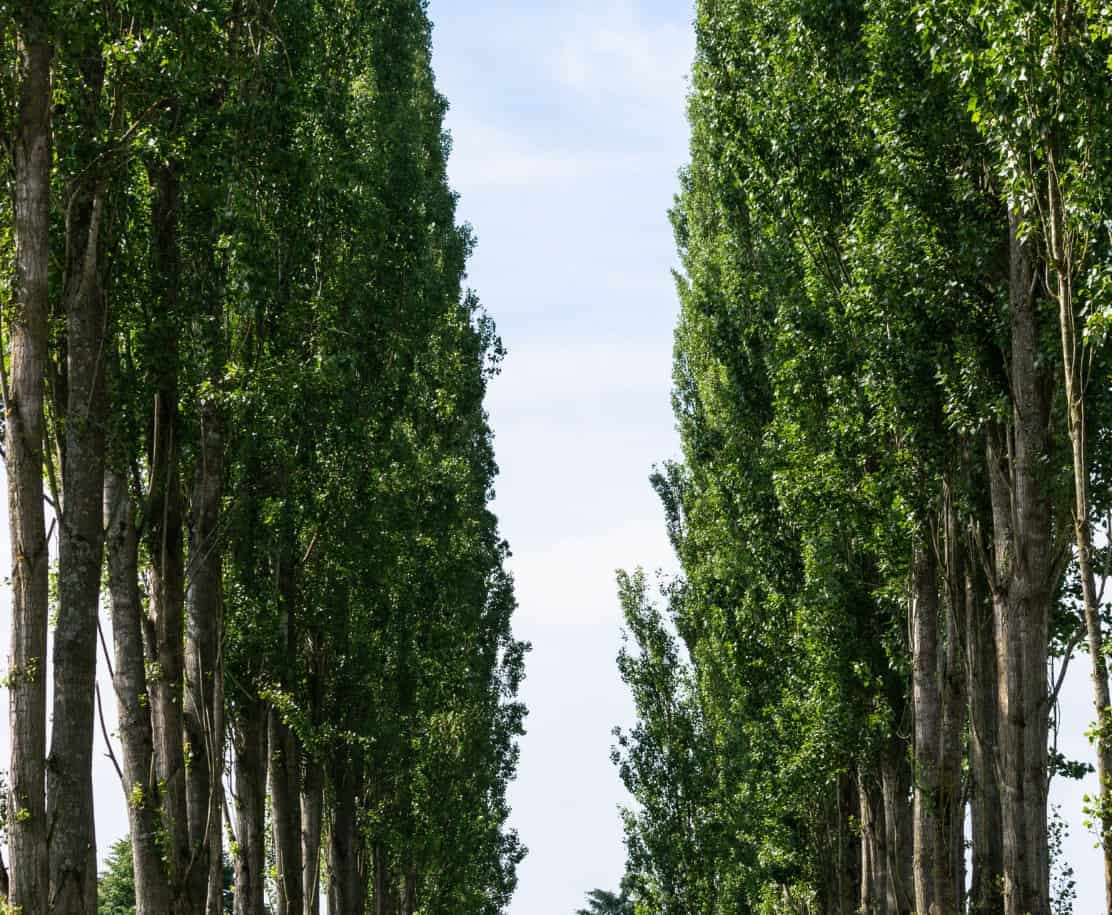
950 854
896 776
346 890
409 899
204 707
874 847
312 798
984 794
925 701
165 544
249 859
1022 590
382 880
23 433
152 888
285 804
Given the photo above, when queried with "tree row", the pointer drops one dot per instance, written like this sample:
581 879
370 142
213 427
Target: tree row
891 515
248 466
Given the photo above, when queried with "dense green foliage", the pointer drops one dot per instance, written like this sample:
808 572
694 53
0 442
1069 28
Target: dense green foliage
252 236
850 349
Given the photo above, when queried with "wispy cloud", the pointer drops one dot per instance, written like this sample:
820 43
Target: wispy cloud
487 155
615 52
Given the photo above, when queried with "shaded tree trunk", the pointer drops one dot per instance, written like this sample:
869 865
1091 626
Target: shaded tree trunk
249 747
926 699
204 707
165 540
950 853
984 793
73 872
152 888
312 800
285 800
347 889
24 432
897 787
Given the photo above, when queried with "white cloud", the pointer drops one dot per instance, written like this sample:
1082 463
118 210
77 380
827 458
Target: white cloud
572 581
487 155
613 51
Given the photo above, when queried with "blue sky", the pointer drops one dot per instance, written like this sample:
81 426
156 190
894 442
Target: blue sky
568 129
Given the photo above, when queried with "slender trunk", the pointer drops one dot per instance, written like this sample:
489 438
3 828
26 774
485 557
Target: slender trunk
868 851
204 712
950 852
896 777
409 900
1031 586
165 541
152 888
925 701
285 814
73 875
23 433
1072 359
987 828
1022 592
874 847
382 880
249 860
312 799
347 890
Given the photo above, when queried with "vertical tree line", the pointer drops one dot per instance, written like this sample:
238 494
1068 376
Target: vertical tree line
891 515
243 410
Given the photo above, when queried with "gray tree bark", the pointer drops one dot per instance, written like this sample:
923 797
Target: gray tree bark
285 805
152 886
203 718
249 859
926 700
1022 589
346 889
984 789
73 874
164 531
24 434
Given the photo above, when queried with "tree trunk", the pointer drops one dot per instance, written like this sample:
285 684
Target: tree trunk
24 431
1072 359
204 707
896 777
312 798
165 542
950 853
249 860
1022 593
926 699
984 794
346 891
285 797
874 847
152 888
73 874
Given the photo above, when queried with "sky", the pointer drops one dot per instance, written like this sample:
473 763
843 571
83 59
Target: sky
568 131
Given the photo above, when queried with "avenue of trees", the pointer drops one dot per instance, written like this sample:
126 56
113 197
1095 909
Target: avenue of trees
248 468
894 397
